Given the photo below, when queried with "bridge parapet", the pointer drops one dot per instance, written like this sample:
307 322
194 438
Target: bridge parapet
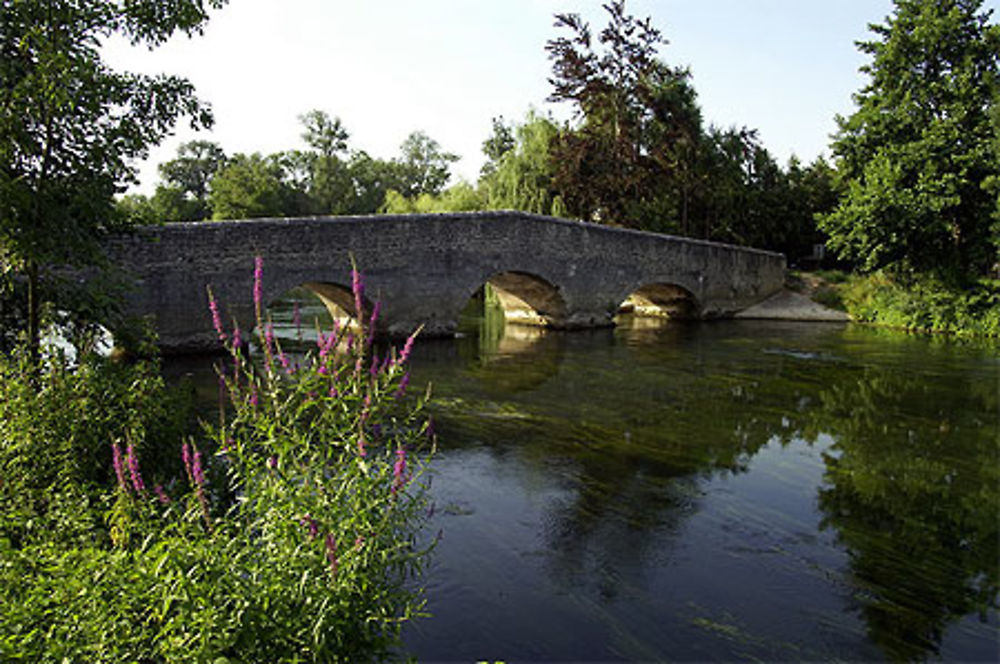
424 268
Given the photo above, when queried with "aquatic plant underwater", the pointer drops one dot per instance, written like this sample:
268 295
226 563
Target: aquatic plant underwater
286 531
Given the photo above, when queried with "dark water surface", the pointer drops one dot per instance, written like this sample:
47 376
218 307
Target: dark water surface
712 492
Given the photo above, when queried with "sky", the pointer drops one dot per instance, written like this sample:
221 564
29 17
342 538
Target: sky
387 68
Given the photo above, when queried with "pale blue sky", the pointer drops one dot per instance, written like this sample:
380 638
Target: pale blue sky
389 67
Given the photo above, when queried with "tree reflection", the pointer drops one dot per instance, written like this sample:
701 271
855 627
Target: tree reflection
911 487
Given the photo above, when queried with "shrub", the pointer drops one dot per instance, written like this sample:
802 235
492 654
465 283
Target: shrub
925 304
289 536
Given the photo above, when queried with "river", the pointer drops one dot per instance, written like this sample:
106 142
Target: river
711 492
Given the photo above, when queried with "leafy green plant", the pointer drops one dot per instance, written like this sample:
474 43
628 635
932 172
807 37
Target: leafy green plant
289 533
925 304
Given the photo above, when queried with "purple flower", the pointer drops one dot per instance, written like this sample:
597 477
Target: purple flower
258 289
133 469
334 392
272 463
407 349
358 288
186 456
297 320
237 338
331 552
322 371
269 336
399 471
253 395
196 470
213 306
116 459
373 371
328 344
310 523
361 445
161 494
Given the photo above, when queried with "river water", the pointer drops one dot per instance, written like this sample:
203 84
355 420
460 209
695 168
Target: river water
711 492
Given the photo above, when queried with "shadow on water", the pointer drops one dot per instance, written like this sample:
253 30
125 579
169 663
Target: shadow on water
712 491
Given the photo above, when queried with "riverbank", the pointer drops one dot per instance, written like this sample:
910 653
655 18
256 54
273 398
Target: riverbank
787 304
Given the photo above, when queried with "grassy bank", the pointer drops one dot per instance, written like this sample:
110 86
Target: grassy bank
919 304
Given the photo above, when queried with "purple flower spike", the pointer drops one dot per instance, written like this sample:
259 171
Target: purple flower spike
186 456
331 552
196 470
310 523
371 321
133 469
404 355
272 463
297 320
237 338
358 288
116 458
161 494
269 336
258 288
213 306
399 471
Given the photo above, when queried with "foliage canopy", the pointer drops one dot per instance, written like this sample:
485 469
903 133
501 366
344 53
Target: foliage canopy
919 155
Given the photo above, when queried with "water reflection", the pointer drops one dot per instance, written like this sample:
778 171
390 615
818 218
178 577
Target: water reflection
642 426
720 491
912 488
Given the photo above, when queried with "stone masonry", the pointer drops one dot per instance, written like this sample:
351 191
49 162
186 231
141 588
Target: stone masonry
424 269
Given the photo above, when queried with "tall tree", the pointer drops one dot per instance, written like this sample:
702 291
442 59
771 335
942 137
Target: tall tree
521 173
639 119
70 127
328 179
191 173
917 155
423 166
251 186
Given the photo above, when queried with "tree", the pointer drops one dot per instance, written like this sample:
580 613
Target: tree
190 173
639 120
252 186
70 127
521 176
499 143
423 167
327 178
917 156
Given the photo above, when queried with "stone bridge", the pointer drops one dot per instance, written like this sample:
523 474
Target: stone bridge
424 269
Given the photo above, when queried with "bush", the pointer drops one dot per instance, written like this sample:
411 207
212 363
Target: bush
290 534
925 304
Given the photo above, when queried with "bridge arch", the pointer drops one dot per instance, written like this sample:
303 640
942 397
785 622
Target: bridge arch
526 298
335 297
661 299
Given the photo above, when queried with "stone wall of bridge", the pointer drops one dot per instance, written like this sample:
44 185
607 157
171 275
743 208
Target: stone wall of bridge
424 269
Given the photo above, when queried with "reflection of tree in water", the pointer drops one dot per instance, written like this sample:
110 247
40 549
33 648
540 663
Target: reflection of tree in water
629 490
913 488
506 358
